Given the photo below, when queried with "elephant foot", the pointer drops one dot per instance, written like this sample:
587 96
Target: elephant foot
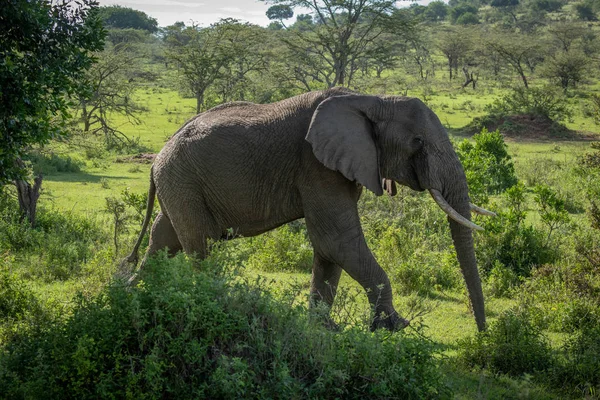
392 322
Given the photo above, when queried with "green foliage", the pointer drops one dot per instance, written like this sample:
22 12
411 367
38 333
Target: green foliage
126 18
413 268
50 163
511 345
509 241
57 248
543 102
552 208
501 280
285 249
580 366
488 166
45 49
207 335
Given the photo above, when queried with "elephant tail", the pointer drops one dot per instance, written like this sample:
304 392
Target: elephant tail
133 257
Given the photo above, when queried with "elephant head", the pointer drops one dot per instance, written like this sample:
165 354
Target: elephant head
376 141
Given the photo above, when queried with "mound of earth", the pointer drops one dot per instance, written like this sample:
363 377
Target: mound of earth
142 158
533 127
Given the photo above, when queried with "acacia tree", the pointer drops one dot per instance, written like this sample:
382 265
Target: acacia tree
107 88
45 48
341 33
250 55
455 43
203 59
519 51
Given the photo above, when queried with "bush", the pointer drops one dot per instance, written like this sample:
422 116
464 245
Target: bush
282 250
57 247
544 102
511 345
52 163
580 366
510 242
186 334
488 166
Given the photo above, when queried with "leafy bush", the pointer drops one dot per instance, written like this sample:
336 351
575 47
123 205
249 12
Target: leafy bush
509 241
501 280
544 102
580 366
511 345
186 334
52 163
282 250
58 246
488 166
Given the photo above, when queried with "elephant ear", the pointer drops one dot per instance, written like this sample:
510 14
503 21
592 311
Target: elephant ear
342 138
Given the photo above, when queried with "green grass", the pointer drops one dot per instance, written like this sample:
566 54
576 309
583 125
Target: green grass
442 315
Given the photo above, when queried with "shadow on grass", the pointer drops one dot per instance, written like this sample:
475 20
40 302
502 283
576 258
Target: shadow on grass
83 177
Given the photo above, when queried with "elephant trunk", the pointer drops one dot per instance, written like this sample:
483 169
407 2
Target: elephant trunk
457 197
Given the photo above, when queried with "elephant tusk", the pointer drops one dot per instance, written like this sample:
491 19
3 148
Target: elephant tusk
482 211
452 213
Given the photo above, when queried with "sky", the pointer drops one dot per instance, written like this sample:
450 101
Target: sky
204 12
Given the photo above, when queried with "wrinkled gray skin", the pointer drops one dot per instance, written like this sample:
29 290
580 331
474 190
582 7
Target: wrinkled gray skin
252 168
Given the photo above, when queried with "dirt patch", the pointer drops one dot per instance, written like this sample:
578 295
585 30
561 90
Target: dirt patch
530 127
142 158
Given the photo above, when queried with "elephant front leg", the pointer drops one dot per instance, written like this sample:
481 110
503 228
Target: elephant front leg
337 235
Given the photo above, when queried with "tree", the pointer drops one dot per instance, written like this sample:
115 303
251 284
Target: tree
108 88
205 56
45 48
508 7
566 68
250 56
463 8
517 50
586 10
280 12
455 43
436 11
566 33
342 31
124 17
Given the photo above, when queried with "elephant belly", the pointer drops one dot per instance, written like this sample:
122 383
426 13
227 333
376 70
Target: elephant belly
252 218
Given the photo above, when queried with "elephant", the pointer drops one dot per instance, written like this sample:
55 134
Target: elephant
249 168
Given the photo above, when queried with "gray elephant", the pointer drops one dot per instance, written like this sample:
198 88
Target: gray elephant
253 167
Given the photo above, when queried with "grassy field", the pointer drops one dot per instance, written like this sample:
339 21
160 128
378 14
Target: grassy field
441 314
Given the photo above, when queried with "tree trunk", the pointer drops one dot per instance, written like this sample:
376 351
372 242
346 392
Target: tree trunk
28 196
523 77
199 101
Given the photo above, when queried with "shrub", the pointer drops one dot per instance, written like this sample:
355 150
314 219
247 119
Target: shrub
501 280
580 366
511 345
544 102
52 163
510 242
488 166
186 334
57 247
282 250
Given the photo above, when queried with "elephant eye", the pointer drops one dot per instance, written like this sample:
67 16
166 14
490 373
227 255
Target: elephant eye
418 142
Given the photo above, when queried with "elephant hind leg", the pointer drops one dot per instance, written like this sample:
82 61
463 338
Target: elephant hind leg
162 236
